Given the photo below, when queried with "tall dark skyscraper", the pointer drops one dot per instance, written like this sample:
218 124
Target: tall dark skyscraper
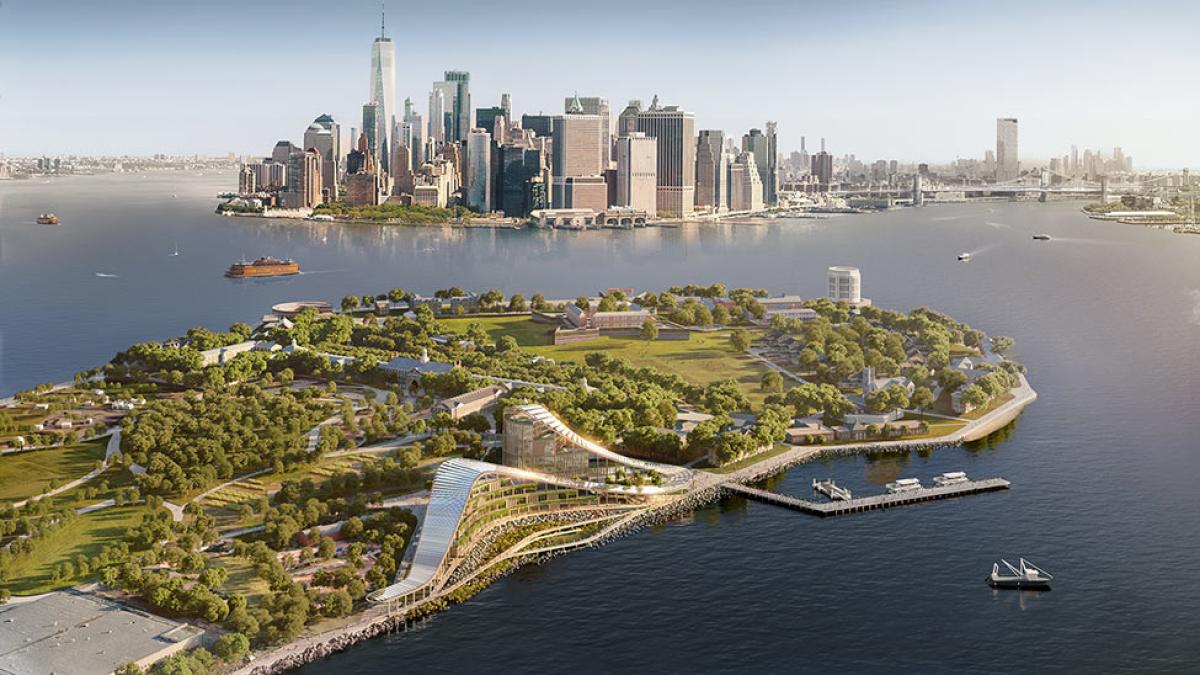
462 103
822 167
764 148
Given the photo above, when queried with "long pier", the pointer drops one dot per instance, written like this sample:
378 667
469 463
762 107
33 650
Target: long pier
837 508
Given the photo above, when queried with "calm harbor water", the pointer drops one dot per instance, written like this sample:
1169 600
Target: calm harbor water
1104 466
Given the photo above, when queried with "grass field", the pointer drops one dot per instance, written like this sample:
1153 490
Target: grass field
527 332
87 535
28 474
702 360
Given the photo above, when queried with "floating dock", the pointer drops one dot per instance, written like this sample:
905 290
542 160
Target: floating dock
837 508
832 490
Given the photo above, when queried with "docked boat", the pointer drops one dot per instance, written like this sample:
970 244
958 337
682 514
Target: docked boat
48 219
950 478
263 267
964 257
1026 576
1042 237
903 485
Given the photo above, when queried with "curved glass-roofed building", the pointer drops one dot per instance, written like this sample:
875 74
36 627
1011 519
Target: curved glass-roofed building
548 469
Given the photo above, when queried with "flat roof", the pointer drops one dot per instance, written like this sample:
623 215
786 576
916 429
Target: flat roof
77 633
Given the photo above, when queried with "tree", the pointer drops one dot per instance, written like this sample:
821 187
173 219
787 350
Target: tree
516 303
582 302
506 343
772 382
649 329
922 398
1001 344
337 603
231 646
740 339
349 303
396 294
974 395
538 302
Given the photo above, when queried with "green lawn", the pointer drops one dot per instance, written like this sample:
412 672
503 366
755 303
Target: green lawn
28 474
527 332
702 360
87 535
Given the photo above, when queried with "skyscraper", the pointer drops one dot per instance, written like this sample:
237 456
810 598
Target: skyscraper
763 148
318 137
383 93
746 192
822 168
462 122
637 170
771 184
1007 165
594 105
674 130
479 170
304 180
711 172
578 162
370 129
440 105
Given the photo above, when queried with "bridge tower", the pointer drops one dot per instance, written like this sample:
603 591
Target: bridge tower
1104 189
918 194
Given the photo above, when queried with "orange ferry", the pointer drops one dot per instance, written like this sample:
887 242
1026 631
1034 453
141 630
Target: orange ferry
263 267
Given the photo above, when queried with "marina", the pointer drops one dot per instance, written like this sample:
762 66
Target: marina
899 498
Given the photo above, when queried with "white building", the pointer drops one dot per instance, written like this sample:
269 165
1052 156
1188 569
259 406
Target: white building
637 172
845 285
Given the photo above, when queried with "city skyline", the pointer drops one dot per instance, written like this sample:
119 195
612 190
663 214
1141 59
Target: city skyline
179 103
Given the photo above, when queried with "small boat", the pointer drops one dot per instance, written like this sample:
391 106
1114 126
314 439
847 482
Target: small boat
964 257
1042 237
950 478
1026 577
175 252
48 219
903 485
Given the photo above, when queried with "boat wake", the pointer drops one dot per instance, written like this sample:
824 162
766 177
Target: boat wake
942 219
1082 240
305 273
1194 294
995 225
104 275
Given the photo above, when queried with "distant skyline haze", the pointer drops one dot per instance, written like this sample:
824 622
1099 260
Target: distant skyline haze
922 81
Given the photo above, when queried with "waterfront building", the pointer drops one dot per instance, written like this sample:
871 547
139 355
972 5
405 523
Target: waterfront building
304 180
383 93
593 318
578 163
749 191
637 170
1008 166
462 122
479 171
845 285
362 183
674 131
248 178
711 170
736 176
519 183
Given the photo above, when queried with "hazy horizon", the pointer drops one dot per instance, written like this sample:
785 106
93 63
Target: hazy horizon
922 82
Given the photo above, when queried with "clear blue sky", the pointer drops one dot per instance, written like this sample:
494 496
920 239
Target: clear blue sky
918 80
